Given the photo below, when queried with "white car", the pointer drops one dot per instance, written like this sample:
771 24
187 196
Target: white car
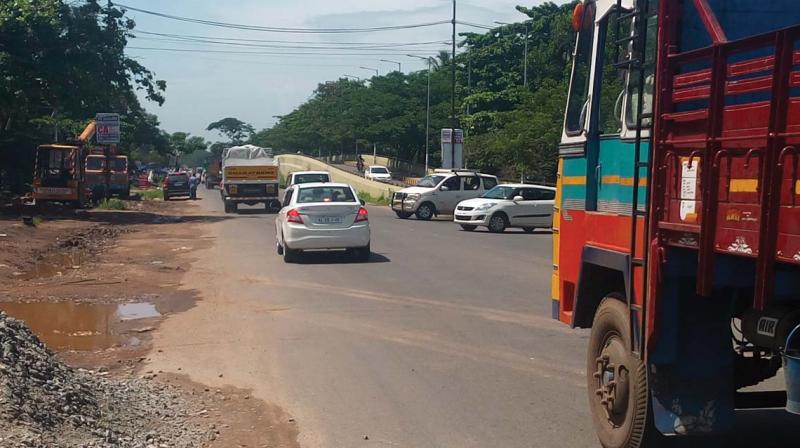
378 173
440 192
305 177
321 216
508 205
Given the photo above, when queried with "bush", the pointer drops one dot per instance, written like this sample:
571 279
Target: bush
369 199
151 195
112 204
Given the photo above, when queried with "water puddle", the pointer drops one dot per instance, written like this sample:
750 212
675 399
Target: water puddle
56 264
79 326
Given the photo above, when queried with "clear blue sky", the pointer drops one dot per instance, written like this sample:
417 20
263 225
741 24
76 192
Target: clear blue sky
204 87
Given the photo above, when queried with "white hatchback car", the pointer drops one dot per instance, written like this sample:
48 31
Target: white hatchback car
508 205
322 216
378 173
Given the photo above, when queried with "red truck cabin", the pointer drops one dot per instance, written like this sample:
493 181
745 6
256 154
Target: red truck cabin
677 224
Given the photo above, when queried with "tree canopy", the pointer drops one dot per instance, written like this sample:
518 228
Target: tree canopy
61 63
237 131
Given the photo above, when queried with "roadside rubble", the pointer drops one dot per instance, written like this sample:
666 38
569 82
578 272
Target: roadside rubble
45 403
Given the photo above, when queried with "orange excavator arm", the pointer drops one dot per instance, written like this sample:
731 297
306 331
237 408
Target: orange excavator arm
88 133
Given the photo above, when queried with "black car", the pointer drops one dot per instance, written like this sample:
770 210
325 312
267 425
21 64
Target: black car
175 184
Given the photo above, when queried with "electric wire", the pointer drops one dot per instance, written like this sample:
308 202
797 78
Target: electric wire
273 29
267 53
138 31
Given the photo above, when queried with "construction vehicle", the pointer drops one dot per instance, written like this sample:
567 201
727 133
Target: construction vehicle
249 176
106 173
213 174
59 171
677 225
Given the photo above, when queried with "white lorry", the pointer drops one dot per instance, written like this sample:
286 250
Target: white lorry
249 176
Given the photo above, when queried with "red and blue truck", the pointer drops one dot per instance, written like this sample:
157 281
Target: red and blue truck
677 222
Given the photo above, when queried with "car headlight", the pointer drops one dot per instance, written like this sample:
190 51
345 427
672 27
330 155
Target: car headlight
412 197
485 206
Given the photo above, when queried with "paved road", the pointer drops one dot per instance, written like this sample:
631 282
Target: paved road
442 340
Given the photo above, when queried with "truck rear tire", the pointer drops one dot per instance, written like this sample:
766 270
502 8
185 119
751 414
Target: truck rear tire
617 382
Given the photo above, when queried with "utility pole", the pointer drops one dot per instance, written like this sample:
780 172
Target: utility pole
453 93
525 59
427 110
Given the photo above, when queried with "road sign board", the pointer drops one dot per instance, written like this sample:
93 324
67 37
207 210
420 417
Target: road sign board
107 128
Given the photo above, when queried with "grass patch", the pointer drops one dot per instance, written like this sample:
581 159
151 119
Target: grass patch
370 199
111 204
151 195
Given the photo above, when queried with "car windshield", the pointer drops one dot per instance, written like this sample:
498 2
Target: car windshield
325 194
379 170
500 192
429 181
311 178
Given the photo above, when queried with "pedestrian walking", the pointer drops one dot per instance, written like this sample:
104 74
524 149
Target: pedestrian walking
194 181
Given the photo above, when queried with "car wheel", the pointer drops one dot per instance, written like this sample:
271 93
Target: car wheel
278 247
290 255
362 253
425 211
528 229
403 215
498 223
468 227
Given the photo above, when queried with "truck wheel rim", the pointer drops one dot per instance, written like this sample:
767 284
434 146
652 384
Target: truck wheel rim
613 380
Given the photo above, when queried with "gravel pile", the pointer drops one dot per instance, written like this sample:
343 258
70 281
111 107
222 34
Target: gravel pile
44 403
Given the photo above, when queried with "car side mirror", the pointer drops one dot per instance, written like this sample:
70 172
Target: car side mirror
363 202
445 188
518 198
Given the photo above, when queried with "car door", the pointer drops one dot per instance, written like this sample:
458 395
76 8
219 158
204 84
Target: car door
471 187
522 212
449 194
544 207
280 219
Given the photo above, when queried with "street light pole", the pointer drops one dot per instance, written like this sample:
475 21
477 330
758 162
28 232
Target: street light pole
453 94
427 110
370 69
399 66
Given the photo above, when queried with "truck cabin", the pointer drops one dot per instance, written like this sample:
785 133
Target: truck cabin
55 166
678 208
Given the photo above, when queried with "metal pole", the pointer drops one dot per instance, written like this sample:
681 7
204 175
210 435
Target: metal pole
399 66
374 153
525 58
453 93
428 118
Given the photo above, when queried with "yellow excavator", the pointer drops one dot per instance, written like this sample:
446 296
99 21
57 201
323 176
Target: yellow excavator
59 171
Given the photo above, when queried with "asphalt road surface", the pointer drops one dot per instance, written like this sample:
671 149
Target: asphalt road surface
443 339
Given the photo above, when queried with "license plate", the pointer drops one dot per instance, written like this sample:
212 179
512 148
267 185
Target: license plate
178 184
329 220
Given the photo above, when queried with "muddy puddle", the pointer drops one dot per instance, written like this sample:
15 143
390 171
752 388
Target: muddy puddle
56 264
80 326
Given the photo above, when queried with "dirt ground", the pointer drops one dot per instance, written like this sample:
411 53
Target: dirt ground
94 286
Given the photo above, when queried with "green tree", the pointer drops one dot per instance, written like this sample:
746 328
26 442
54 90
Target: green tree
236 130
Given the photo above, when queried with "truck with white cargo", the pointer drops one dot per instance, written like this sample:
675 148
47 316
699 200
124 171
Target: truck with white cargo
249 176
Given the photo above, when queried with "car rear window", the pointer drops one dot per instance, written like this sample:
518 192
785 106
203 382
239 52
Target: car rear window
311 178
94 163
178 177
325 194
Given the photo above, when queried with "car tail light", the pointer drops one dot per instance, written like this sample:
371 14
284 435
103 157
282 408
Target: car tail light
166 181
362 215
294 216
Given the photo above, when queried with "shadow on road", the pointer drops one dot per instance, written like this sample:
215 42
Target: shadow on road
256 211
749 431
509 232
338 257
